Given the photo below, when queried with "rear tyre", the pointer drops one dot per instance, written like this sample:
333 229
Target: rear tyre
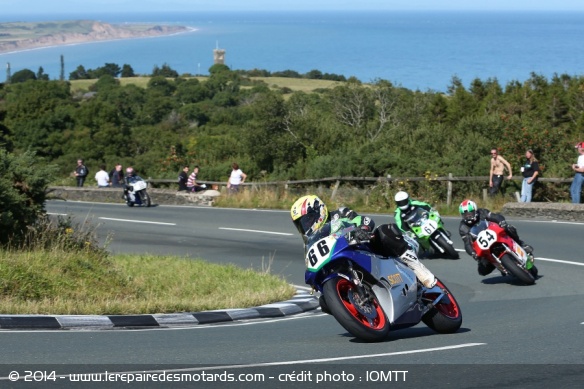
510 263
445 317
363 319
448 249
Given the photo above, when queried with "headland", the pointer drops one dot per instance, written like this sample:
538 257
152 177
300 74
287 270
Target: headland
19 36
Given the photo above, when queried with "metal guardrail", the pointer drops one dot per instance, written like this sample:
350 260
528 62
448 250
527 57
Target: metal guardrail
450 179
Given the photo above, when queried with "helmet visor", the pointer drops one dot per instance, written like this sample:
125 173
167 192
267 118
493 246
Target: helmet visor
469 216
403 204
305 223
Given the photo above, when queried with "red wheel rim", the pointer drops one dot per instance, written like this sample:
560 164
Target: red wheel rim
449 310
343 288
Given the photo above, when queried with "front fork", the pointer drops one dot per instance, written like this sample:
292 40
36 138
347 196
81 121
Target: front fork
436 245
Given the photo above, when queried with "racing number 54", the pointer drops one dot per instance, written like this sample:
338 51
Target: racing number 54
486 238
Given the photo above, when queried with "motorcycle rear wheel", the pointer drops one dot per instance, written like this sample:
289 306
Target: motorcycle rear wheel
448 249
363 319
445 317
510 263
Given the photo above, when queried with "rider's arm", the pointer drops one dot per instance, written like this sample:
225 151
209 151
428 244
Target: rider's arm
398 219
464 232
491 216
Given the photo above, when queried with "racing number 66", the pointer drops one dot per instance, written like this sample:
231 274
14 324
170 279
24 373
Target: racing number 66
323 250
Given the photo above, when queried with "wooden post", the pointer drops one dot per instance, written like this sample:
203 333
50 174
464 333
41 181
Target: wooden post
449 190
335 189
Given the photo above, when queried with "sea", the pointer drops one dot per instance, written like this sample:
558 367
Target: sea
416 50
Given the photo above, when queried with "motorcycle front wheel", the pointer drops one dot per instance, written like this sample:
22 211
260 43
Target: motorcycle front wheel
448 249
445 317
510 263
363 318
145 198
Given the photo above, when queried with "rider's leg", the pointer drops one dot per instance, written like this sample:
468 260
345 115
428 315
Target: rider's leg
485 267
512 231
389 241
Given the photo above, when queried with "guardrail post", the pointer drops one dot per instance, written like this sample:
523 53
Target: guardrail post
335 189
449 190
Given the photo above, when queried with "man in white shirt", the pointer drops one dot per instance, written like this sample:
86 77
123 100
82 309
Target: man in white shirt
102 178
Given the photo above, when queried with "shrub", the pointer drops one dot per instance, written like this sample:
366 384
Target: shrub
23 183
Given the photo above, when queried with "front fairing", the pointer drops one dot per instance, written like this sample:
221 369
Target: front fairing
492 241
424 223
394 284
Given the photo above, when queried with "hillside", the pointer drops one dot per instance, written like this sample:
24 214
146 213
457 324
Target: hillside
23 36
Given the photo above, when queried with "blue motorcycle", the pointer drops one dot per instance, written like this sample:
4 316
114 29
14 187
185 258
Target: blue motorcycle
370 295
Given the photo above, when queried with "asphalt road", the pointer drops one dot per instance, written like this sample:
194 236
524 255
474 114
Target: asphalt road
511 336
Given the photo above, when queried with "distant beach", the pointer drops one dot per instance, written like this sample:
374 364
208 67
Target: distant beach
49 46
66 33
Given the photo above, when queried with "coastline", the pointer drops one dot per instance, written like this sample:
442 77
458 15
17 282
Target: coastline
96 32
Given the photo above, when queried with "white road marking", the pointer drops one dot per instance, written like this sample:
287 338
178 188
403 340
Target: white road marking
553 222
57 214
258 231
320 360
137 221
284 363
547 259
560 261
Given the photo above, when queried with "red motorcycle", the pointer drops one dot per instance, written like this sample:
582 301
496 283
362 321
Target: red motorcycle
494 244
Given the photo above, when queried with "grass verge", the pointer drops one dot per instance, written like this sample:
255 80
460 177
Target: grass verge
70 282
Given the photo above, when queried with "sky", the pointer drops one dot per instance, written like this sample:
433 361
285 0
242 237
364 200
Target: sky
8 7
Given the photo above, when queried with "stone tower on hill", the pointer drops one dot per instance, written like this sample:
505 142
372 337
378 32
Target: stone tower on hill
218 55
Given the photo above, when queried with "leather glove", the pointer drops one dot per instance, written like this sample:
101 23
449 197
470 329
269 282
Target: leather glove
503 224
358 236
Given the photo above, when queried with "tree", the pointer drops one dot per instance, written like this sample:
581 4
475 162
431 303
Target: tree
41 74
109 69
22 76
127 71
35 109
79 74
164 71
353 106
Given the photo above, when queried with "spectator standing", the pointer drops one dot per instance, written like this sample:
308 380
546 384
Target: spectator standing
81 172
183 178
530 171
498 165
236 178
578 168
102 178
192 184
117 176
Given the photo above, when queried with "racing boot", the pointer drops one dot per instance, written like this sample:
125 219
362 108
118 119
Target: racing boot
425 276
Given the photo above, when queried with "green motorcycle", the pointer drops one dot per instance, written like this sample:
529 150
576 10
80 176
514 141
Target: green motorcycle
428 229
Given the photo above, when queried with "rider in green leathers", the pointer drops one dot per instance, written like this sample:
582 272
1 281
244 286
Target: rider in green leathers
405 206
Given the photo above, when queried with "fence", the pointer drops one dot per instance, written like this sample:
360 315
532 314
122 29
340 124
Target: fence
450 179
